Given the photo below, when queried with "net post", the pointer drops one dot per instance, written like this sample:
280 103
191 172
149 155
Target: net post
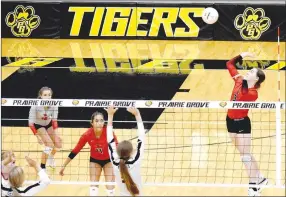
278 145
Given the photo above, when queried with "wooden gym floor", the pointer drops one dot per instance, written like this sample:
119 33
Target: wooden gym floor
197 162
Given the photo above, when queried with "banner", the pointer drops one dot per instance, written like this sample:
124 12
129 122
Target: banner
141 21
250 22
141 103
30 20
134 21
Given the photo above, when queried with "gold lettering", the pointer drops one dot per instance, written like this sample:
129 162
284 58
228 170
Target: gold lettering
121 22
166 22
78 16
135 21
97 57
96 22
193 28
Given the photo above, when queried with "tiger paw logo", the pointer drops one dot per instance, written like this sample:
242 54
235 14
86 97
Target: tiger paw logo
252 23
22 21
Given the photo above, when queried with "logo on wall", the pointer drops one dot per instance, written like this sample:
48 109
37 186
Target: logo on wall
252 23
22 21
19 50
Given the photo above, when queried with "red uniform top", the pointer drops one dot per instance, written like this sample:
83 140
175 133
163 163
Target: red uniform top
239 93
98 147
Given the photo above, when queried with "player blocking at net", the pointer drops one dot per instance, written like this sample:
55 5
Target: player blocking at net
96 137
126 164
238 122
43 123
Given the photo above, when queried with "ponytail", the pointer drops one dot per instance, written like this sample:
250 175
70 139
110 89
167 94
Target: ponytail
131 186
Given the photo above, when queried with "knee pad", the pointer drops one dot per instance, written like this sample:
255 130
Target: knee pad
246 158
48 150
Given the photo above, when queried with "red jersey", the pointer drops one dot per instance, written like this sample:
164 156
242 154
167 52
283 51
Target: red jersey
238 93
98 146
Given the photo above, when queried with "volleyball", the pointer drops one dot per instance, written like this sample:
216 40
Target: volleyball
210 15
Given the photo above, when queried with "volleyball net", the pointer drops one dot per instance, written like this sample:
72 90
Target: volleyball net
186 145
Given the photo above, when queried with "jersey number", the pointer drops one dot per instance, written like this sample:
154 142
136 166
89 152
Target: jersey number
99 150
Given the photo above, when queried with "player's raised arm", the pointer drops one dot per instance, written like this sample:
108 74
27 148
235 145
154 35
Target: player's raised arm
231 64
110 137
140 131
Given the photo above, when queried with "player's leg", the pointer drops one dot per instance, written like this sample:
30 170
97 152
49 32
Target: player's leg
230 124
240 133
48 145
109 177
233 137
95 172
57 145
243 145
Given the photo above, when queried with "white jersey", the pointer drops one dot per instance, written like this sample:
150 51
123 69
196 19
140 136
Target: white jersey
5 187
30 190
133 164
43 115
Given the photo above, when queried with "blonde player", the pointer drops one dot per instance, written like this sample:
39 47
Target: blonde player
238 122
7 164
43 123
17 178
126 165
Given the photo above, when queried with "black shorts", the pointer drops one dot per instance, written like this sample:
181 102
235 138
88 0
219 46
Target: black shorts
102 163
239 126
37 126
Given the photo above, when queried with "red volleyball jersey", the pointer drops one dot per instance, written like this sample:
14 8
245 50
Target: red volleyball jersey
98 146
238 94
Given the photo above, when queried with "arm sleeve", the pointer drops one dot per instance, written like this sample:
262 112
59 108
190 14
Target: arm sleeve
81 143
112 140
141 140
32 118
32 115
55 113
115 139
231 66
37 187
55 117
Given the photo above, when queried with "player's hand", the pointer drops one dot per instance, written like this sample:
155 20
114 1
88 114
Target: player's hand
11 157
31 162
62 171
39 139
247 54
111 110
133 110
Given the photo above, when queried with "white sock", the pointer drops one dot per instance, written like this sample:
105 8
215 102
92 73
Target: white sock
110 192
93 191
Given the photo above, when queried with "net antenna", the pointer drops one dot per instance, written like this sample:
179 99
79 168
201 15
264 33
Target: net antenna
278 119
